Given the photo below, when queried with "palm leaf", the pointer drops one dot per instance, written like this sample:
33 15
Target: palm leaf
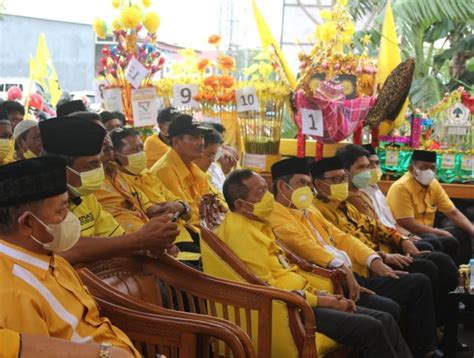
425 92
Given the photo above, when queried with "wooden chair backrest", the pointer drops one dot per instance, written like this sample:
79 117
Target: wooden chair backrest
172 336
185 289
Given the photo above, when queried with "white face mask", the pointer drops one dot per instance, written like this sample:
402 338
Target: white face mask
424 177
65 234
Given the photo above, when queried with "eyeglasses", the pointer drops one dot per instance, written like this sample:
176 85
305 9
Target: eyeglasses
336 180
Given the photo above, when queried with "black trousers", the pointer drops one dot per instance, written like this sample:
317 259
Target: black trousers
443 274
374 333
459 247
414 292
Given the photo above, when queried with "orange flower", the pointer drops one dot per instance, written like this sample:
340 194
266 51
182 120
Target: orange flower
226 63
214 40
211 81
226 81
202 65
208 97
197 97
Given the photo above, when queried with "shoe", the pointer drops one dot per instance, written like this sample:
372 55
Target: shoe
462 347
435 353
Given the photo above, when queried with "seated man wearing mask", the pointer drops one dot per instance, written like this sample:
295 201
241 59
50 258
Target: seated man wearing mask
213 142
305 231
79 142
41 293
6 143
247 232
27 139
414 200
15 111
122 194
157 145
177 169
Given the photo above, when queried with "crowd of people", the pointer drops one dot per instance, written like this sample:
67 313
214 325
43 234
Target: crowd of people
84 187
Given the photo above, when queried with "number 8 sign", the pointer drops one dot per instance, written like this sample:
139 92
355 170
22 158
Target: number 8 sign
183 96
312 122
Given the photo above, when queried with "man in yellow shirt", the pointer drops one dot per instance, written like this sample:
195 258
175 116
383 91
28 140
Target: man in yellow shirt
157 145
6 148
41 294
414 200
79 142
247 232
303 229
177 170
331 183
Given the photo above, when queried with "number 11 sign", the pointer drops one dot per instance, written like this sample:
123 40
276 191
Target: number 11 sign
312 122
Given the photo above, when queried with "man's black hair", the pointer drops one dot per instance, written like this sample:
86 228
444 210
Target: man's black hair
212 137
234 187
13 106
350 153
119 134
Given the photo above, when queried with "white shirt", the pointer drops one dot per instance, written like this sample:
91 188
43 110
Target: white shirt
217 176
380 206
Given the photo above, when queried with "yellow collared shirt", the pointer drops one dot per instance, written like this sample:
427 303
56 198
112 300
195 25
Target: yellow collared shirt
368 230
295 229
188 183
151 186
254 243
45 296
9 344
155 149
408 199
126 203
95 221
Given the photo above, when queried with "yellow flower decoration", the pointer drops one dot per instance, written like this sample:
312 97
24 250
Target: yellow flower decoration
116 3
100 28
326 15
130 17
342 2
146 3
327 31
366 40
151 21
116 24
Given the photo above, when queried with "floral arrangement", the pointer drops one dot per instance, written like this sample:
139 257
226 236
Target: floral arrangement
459 95
217 85
134 31
331 54
266 76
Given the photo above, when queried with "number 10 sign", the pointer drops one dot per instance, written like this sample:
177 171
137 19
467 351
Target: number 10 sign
312 122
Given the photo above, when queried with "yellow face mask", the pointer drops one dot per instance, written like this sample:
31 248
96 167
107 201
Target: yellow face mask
4 148
301 197
91 181
136 163
264 208
375 175
339 192
29 154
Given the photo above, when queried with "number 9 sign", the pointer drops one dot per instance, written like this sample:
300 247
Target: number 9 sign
183 96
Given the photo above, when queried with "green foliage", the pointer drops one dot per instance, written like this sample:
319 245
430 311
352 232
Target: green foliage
433 32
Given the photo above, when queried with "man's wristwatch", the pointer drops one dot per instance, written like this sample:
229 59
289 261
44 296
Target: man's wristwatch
185 207
104 351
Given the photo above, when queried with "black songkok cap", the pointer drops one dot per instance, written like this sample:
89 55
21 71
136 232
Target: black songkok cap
29 180
71 136
68 108
290 166
167 115
424 156
185 124
325 165
370 149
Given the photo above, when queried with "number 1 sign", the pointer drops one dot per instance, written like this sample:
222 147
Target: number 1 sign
183 96
312 122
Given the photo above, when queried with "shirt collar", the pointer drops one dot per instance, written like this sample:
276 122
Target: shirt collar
38 264
259 225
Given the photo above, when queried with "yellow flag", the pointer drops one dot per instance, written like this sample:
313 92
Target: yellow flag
389 58
42 71
269 41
